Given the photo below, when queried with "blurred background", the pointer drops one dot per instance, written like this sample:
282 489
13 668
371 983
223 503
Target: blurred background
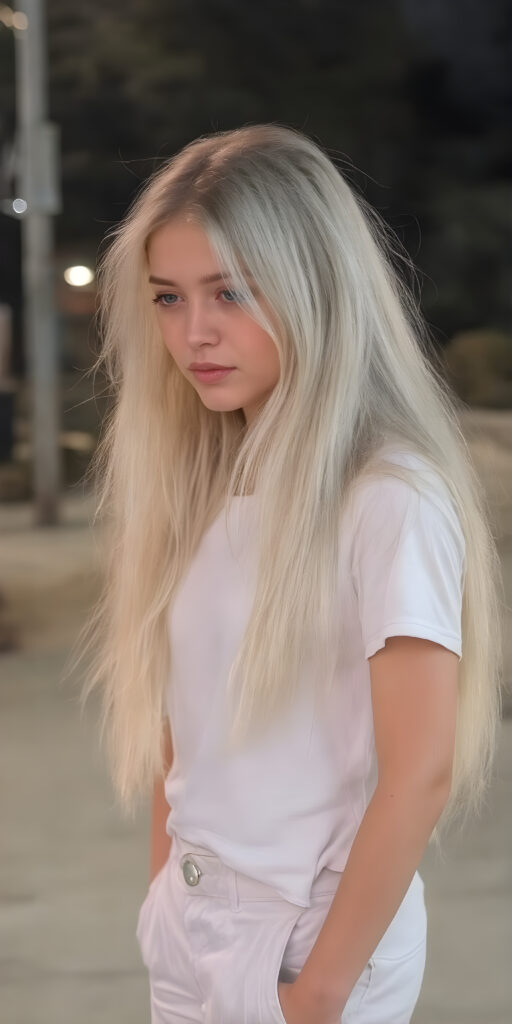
413 101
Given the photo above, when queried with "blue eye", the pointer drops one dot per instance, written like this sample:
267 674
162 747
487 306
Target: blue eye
164 295
160 299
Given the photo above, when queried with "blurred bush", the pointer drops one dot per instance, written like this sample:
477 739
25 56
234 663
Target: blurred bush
479 367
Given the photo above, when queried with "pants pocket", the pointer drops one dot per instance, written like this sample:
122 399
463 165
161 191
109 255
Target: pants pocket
393 988
239 968
296 945
144 911
282 943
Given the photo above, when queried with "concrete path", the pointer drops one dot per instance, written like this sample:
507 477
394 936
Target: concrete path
74 872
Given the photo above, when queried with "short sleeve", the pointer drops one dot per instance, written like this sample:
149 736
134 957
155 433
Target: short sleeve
407 564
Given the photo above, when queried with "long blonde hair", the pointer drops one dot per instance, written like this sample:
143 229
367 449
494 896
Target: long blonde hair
357 369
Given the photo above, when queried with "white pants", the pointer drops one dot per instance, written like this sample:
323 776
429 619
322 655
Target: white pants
216 942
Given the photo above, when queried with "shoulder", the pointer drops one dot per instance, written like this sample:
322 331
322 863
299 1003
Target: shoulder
407 556
400 492
396 478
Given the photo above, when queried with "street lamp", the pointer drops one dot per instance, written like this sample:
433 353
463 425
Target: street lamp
13 19
78 276
38 198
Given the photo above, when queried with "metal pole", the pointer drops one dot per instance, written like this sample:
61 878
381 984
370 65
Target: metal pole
36 173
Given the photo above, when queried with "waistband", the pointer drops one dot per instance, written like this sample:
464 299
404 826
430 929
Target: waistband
203 873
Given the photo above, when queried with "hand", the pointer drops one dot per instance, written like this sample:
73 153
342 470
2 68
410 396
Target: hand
297 1010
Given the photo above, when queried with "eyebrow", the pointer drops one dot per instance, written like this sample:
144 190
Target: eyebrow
209 279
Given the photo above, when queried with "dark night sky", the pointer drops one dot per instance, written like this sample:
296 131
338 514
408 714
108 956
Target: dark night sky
414 95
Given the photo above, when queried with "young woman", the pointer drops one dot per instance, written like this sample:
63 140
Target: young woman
298 555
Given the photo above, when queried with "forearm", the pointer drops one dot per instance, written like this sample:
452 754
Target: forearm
385 854
160 842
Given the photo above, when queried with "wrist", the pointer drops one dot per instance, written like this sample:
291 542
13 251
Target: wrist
316 995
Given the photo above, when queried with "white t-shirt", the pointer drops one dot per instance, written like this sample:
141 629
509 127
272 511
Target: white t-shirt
291 803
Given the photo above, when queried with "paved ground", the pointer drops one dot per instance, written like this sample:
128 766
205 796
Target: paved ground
73 872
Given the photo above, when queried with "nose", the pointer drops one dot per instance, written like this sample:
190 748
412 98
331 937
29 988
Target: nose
200 323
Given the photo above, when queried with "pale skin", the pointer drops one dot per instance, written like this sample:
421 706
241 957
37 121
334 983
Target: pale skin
413 681
201 322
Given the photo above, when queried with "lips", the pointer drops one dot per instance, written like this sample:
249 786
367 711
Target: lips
209 366
209 376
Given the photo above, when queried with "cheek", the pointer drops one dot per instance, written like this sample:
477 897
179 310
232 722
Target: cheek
262 355
169 337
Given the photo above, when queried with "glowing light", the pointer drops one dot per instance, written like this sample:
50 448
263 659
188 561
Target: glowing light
19 20
19 205
78 276
6 16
